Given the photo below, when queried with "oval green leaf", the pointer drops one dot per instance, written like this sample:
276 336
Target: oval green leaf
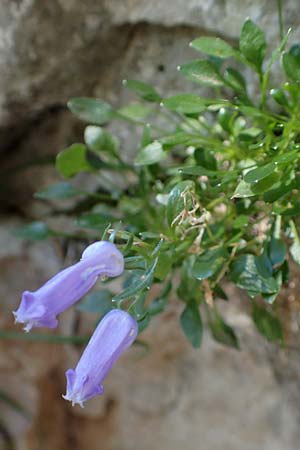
202 72
253 43
151 154
185 103
91 110
72 160
253 176
191 324
143 90
213 46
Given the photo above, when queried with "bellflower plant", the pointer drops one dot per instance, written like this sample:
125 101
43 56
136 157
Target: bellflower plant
211 197
115 333
40 308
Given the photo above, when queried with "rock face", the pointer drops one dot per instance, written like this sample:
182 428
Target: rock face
169 397
172 397
49 52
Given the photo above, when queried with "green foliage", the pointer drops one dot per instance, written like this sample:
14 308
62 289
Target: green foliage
185 103
91 110
99 140
291 64
212 193
213 46
99 302
143 90
267 323
221 331
34 231
253 44
202 72
208 263
73 160
58 191
151 154
191 324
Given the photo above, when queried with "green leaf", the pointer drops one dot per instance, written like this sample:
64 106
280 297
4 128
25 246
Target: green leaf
99 302
267 323
146 136
198 171
99 140
253 44
185 103
213 46
159 303
176 202
59 191
140 283
241 221
191 324
143 323
34 231
164 265
225 119
135 111
249 134
277 251
202 72
221 331
72 160
157 306
207 264
266 183
94 220
91 110
151 154
287 157
95 161
243 190
295 247
251 273
135 262
189 287
253 176
205 158
137 308
235 80
279 96
143 90
291 66
179 138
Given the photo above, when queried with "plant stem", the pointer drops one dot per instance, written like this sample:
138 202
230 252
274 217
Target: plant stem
50 339
280 19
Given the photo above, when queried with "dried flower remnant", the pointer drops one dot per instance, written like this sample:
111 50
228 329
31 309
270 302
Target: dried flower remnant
114 334
40 308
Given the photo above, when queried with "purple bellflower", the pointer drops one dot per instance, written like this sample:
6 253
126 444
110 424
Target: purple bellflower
114 334
40 308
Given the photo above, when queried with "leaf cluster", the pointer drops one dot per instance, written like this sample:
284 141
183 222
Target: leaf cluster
213 195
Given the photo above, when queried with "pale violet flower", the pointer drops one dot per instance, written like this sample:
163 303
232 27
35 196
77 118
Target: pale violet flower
114 334
40 308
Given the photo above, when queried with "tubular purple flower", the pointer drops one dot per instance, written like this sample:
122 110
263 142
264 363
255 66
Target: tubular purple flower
114 334
40 308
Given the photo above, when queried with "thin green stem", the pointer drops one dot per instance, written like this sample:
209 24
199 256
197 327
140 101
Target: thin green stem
45 338
280 19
